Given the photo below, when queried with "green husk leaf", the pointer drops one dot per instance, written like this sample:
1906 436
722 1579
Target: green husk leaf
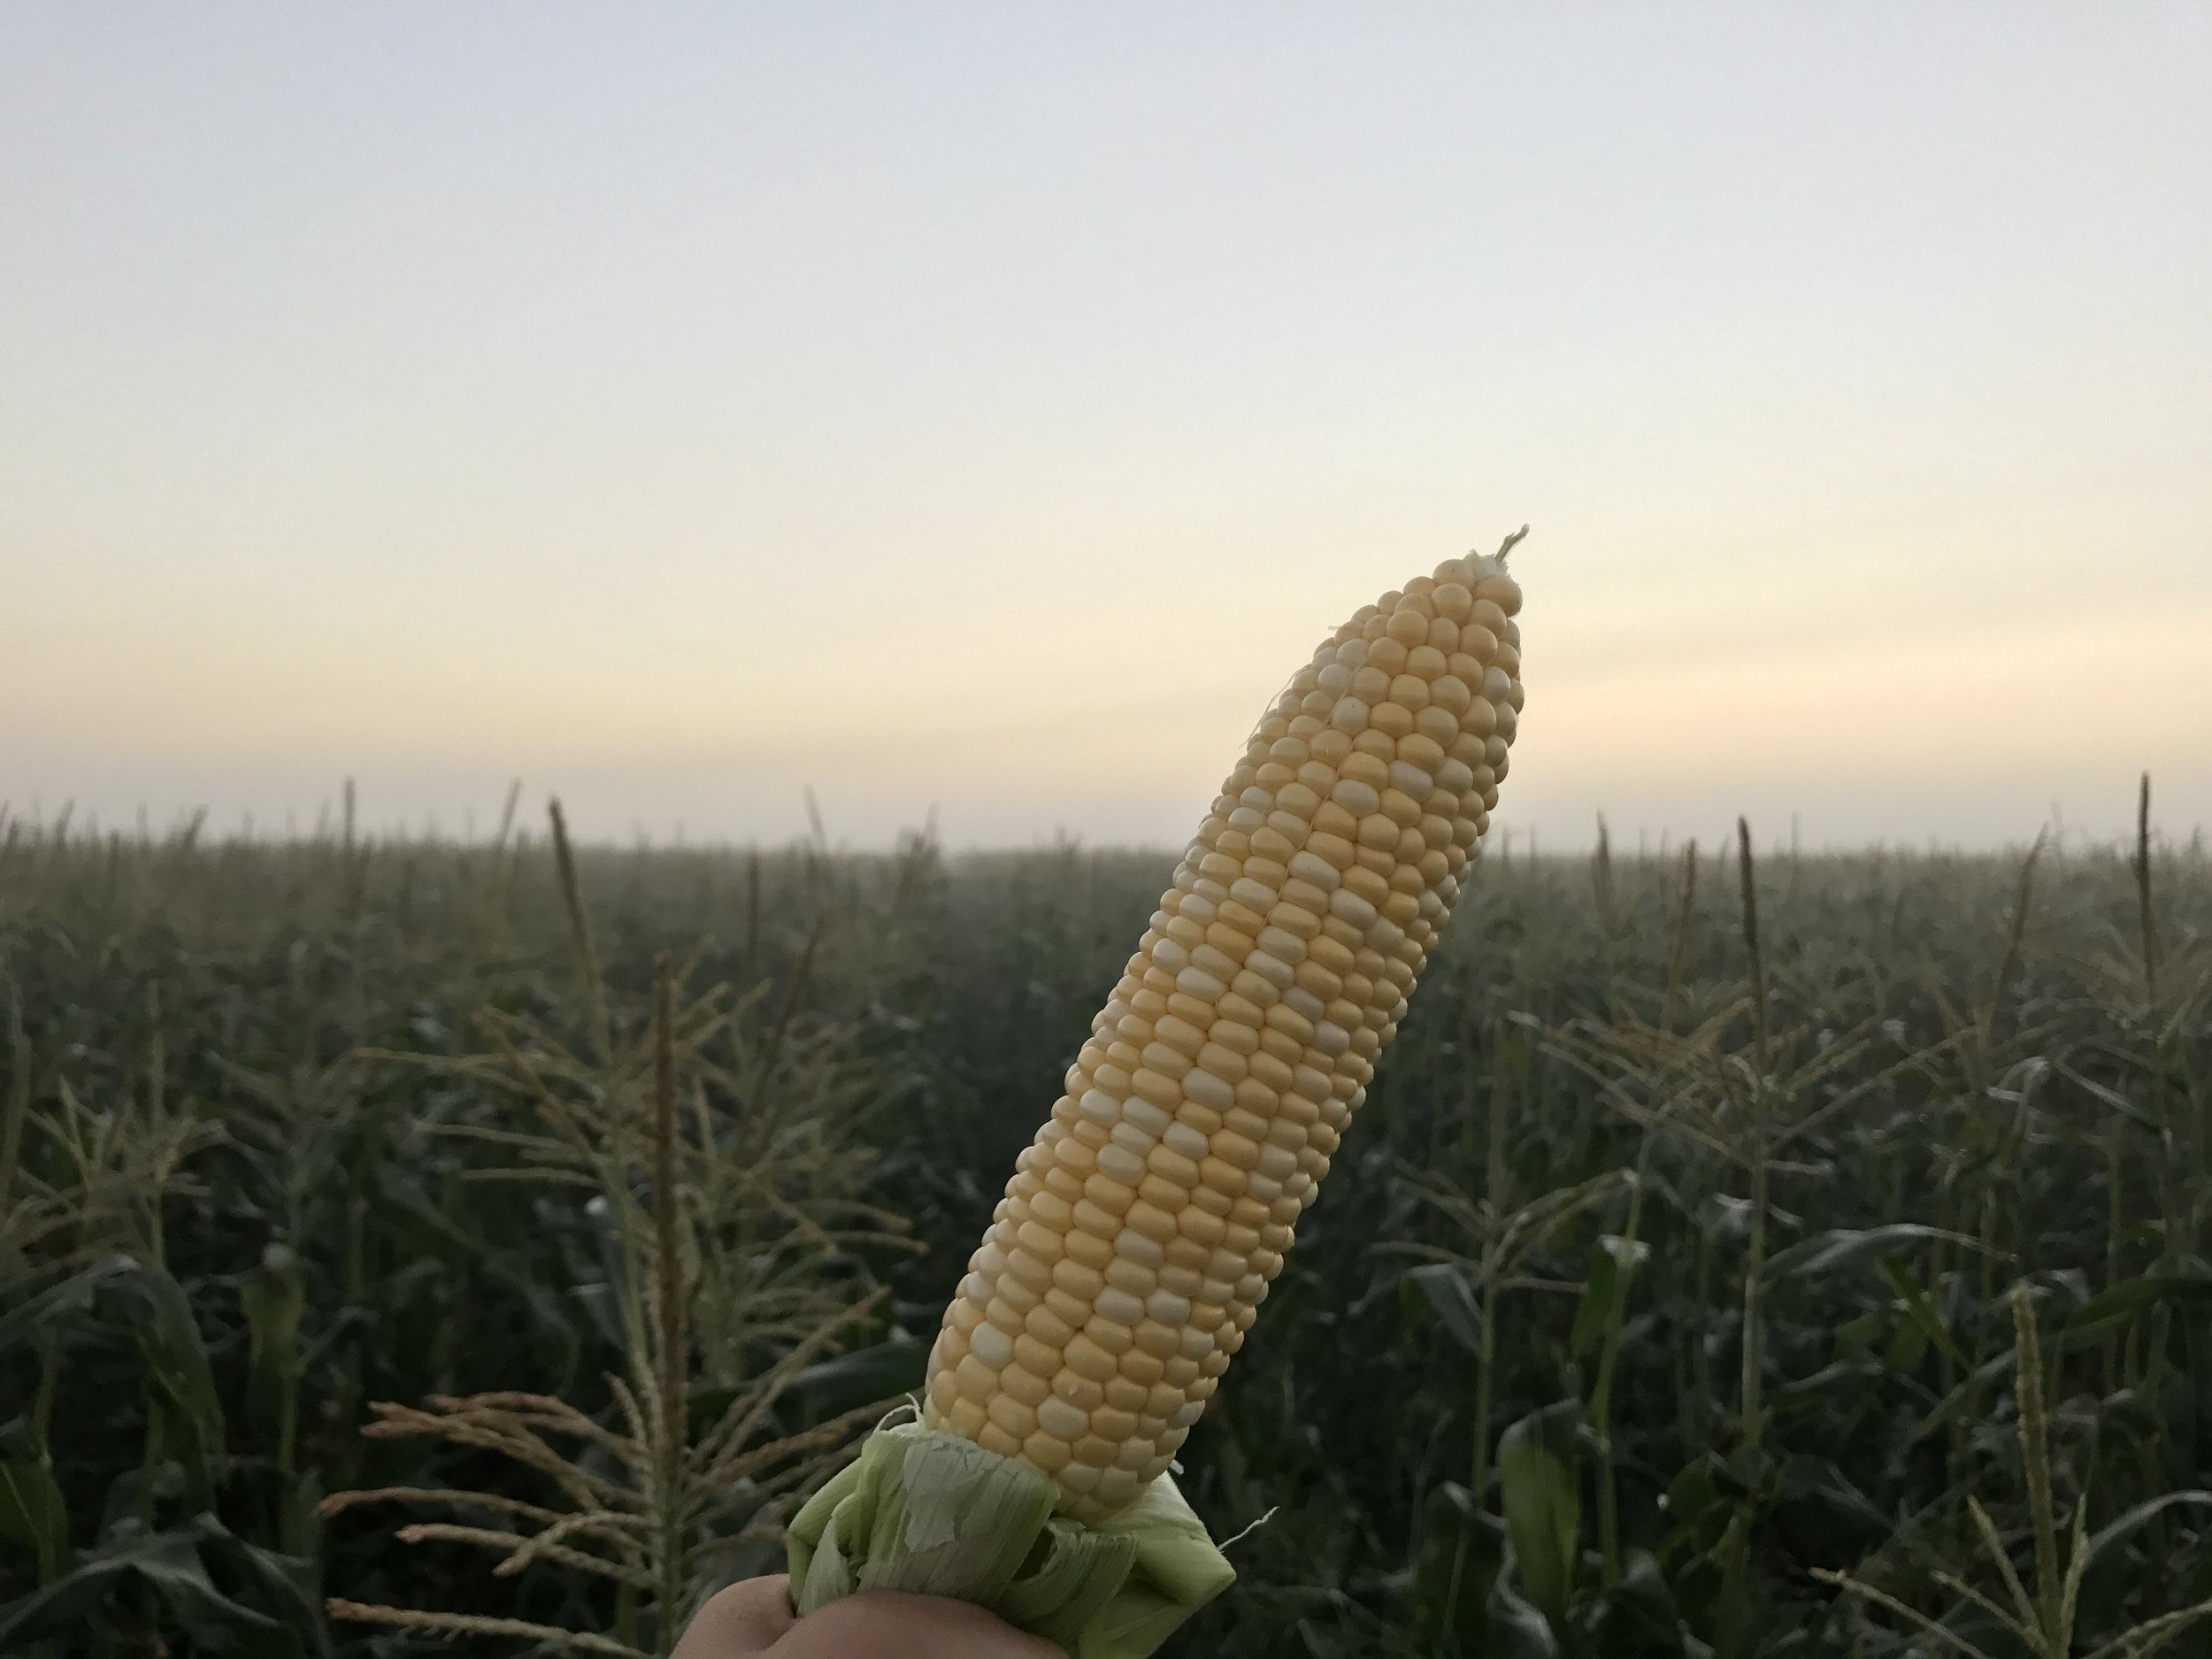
937 1515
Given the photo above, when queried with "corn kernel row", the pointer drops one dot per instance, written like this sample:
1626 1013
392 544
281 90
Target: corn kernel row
1145 1222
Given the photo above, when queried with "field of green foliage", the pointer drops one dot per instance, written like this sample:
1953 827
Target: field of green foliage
390 1249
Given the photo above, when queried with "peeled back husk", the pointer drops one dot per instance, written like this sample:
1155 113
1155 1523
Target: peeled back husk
937 1515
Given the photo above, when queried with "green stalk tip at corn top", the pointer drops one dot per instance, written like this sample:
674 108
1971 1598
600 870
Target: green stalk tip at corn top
1145 1222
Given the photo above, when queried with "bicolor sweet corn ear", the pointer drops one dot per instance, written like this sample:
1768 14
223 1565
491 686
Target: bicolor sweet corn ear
1144 1224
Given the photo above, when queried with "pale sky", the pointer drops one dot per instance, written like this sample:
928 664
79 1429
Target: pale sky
987 406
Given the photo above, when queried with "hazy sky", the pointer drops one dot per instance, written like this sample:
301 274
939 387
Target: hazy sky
989 405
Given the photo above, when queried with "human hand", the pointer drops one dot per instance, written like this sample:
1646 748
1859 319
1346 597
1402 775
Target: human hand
753 1620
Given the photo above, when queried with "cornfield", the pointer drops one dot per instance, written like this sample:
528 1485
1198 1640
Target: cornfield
411 1243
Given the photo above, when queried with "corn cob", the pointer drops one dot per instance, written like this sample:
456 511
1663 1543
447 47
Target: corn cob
1145 1222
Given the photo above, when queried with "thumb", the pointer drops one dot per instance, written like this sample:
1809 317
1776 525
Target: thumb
746 1619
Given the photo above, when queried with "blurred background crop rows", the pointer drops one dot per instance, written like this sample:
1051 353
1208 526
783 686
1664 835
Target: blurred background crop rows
1689 1244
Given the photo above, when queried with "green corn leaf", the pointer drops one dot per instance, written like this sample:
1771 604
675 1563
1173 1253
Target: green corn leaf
275 1300
2115 1532
160 1316
1517 1630
1920 1311
33 1512
167 1564
1601 1295
1445 1287
2115 1308
1542 1499
1843 1248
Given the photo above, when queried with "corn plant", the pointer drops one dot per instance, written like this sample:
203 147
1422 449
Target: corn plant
728 1240
2039 1609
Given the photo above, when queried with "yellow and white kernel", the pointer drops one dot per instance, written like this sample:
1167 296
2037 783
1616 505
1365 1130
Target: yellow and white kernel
1146 1221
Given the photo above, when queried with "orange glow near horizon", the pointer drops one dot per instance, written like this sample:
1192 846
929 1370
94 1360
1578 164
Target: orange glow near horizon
988 414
